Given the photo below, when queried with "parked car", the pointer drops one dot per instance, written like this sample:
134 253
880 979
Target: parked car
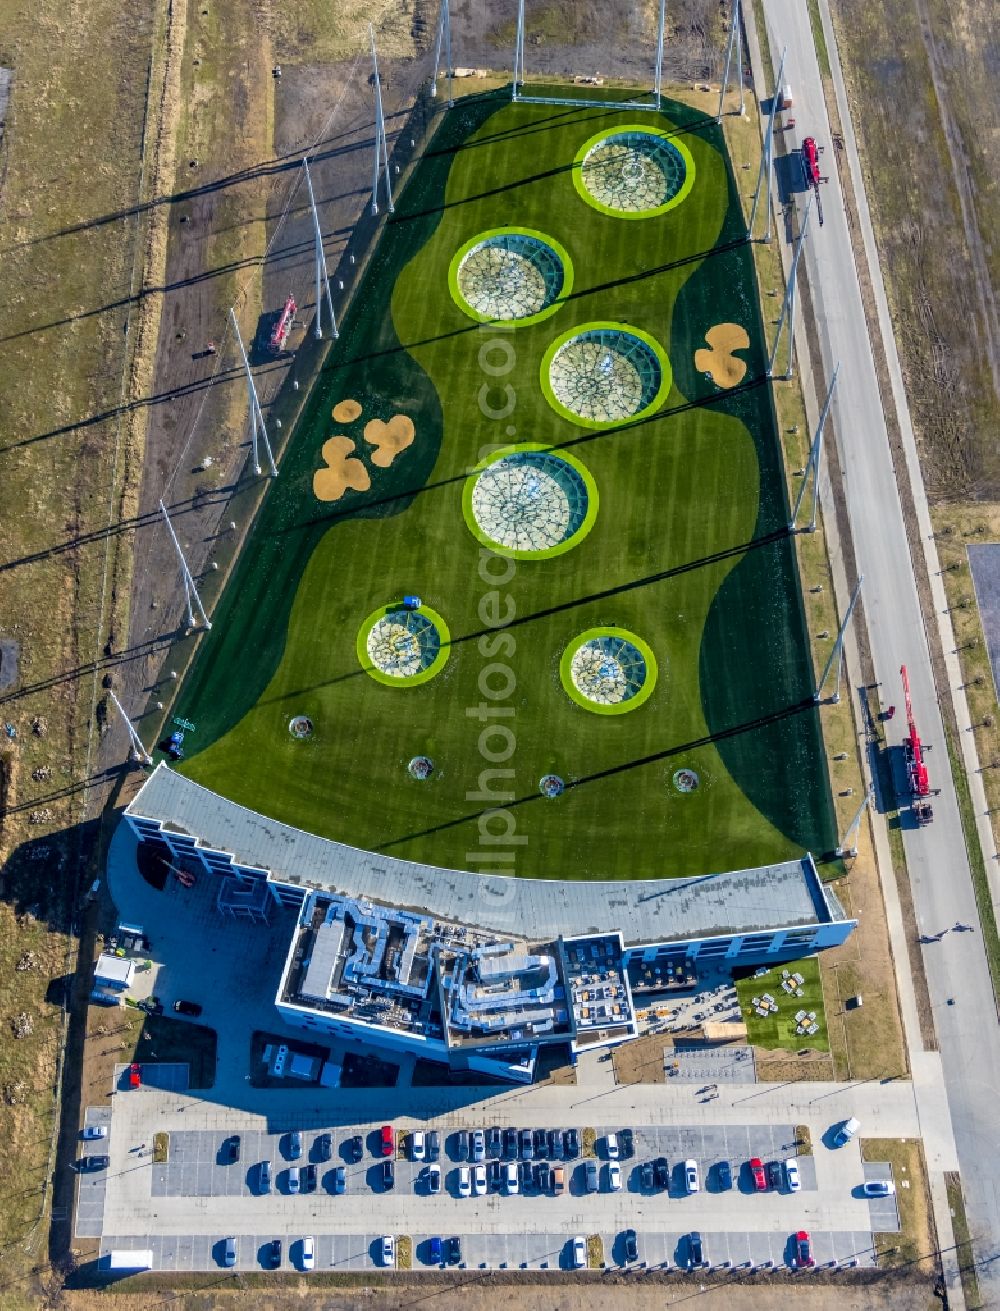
803 1251
308 1253
294 1144
792 1181
590 1171
543 1176
525 1144
479 1179
555 1145
846 1132
464 1145
579 1252
388 1249
774 1174
94 1131
435 1251
494 1141
464 1181
433 1178
878 1188
187 1008
696 1252
294 1179
494 1170
571 1143
510 1178
724 1175
631 1245
229 1252
323 1147
541 1144
558 1180
757 1174
454 1251
526 1173
264 1177
661 1172
611 1148
88 1163
626 1144
691 1181
646 1176
388 1174
510 1142
135 1075
356 1146
231 1149
478 1145
418 1146
274 1253
339 1180
614 1177
388 1141
309 1178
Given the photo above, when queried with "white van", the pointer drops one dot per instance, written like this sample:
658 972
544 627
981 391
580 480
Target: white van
846 1132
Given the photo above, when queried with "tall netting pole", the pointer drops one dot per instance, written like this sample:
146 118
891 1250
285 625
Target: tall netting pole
660 28
257 425
766 160
381 145
443 40
191 596
322 276
815 459
518 51
836 657
138 750
788 304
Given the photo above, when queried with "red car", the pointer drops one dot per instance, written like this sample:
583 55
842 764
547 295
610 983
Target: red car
135 1075
757 1170
803 1251
388 1140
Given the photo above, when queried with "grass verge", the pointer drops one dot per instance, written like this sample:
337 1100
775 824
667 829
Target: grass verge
963 1242
595 1252
913 1246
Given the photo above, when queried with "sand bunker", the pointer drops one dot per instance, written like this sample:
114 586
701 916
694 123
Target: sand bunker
346 411
725 368
341 471
388 438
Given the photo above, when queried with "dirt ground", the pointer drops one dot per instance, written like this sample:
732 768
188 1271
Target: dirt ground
476 1293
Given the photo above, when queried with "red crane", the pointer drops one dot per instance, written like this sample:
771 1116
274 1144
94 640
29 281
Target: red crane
810 168
916 770
282 328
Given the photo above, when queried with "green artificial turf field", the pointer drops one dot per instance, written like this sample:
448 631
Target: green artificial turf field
644 557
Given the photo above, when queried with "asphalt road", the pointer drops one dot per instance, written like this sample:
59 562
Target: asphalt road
936 856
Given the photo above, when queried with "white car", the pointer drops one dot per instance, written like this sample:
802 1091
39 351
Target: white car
611 1147
464 1181
792 1175
418 1146
691 1181
510 1178
308 1253
579 1252
479 1180
95 1131
878 1188
388 1249
614 1177
478 1145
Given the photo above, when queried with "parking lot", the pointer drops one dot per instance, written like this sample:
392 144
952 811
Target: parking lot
739 1227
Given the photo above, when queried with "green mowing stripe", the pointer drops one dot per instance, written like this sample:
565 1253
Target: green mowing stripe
683 491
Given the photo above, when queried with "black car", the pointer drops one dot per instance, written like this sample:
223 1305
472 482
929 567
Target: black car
724 1175
661 1172
309 1178
541 1146
323 1147
187 1008
555 1145
494 1172
433 1145
696 1253
87 1163
231 1149
571 1143
543 1177
462 1150
525 1144
631 1245
626 1143
527 1176
388 1174
510 1143
274 1253
454 1246
357 1147
646 1176
774 1174
494 1141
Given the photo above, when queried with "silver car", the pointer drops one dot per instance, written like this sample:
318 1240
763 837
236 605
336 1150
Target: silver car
478 1145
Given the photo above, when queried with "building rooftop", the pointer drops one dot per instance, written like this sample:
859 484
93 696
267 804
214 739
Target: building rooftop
653 910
